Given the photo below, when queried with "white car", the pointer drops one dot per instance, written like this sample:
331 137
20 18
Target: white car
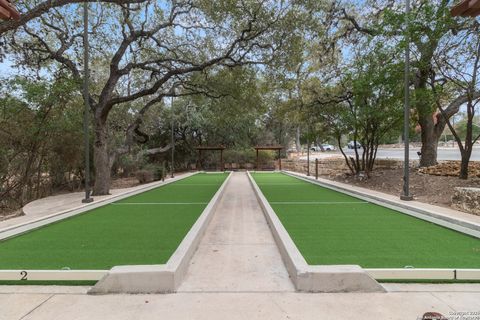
328 147
351 145
325 146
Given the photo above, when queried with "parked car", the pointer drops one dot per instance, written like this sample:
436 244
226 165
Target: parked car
351 145
323 147
328 147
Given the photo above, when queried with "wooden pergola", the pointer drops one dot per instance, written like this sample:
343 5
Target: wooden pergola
466 8
8 11
271 148
210 148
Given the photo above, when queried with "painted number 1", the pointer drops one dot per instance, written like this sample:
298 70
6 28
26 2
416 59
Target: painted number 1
23 275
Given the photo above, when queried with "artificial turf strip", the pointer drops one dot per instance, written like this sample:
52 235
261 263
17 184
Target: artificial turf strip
46 283
116 234
355 232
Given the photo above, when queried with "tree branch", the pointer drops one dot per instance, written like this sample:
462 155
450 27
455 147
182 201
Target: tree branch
45 6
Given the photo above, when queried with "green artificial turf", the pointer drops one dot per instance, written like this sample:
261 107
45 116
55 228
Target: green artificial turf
140 232
355 232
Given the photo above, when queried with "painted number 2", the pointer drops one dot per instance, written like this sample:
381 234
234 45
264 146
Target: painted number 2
23 275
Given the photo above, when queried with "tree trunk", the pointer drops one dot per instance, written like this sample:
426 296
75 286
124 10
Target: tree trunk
298 146
429 142
101 159
466 151
464 166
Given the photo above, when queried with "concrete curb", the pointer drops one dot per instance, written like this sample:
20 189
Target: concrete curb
160 278
15 230
444 220
328 278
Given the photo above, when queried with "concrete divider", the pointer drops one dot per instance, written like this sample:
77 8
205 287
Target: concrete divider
331 278
160 278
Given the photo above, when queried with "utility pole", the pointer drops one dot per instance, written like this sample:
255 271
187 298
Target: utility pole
308 150
406 120
173 134
86 95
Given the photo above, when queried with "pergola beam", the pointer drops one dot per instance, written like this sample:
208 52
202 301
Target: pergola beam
8 11
273 148
466 8
210 148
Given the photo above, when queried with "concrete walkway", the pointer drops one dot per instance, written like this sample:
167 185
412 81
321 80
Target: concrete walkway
238 252
238 305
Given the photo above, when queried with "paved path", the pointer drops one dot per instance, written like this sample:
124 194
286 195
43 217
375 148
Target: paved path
238 252
233 306
398 154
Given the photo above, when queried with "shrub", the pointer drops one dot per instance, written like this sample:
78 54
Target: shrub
247 156
144 176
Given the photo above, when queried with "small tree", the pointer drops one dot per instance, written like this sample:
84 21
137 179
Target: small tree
464 85
365 105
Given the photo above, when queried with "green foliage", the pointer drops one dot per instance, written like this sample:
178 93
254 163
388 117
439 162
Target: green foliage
242 156
40 147
461 128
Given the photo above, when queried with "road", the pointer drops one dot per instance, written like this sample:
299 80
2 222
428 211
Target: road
398 153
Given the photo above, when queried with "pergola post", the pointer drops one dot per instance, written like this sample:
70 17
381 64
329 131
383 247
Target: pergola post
272 148
214 148
222 167
199 159
279 160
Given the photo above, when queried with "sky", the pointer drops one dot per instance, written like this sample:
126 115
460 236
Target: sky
5 68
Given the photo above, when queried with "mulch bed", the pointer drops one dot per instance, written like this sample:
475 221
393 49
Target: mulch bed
451 169
429 188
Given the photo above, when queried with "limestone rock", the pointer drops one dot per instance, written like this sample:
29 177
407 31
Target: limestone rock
467 199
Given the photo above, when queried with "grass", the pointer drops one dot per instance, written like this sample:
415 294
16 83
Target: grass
139 232
354 232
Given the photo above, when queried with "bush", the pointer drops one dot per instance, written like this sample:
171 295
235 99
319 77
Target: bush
152 171
128 164
247 156
144 176
160 172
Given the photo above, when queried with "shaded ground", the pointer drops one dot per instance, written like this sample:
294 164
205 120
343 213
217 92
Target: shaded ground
437 190
118 183
8 214
121 183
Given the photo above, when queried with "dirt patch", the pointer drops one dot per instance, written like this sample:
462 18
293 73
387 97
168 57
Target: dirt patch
122 183
452 168
437 190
